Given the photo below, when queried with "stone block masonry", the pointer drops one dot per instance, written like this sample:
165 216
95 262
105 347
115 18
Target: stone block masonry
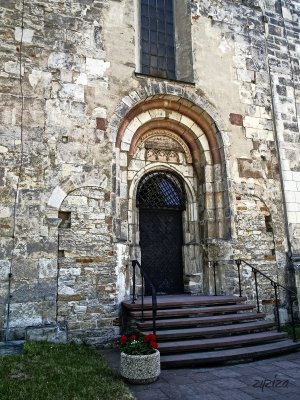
259 47
86 265
53 63
69 223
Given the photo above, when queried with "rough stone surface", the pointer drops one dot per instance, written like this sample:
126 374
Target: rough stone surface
77 135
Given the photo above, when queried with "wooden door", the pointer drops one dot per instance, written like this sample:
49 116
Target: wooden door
161 249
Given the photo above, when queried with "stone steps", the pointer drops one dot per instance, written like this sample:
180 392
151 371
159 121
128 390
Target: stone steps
201 330
215 343
212 331
173 301
186 311
248 353
198 321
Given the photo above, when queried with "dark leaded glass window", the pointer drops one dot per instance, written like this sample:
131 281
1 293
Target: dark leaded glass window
157 38
161 190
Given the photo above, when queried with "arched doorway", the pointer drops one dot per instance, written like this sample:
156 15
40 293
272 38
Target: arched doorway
161 199
166 133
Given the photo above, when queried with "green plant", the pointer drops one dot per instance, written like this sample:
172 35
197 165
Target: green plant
289 329
138 345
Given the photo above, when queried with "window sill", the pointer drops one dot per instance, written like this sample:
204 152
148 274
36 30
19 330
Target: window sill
141 76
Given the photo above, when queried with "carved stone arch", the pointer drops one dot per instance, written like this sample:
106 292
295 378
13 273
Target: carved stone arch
190 136
196 134
188 113
201 136
167 91
61 191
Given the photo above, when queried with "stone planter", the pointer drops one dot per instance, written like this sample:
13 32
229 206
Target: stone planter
140 369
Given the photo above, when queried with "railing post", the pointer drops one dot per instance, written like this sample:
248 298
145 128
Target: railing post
275 286
142 275
154 308
215 264
145 278
238 264
256 290
133 282
292 317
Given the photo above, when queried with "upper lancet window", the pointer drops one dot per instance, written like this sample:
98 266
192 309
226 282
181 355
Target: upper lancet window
157 38
165 39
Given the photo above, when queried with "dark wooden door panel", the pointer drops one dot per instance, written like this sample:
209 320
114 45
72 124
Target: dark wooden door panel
161 249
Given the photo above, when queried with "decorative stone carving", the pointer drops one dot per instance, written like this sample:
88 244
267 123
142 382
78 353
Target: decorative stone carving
164 146
162 155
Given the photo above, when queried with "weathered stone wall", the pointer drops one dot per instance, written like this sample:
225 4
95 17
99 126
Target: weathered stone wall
255 243
283 51
53 139
67 83
263 39
87 281
237 52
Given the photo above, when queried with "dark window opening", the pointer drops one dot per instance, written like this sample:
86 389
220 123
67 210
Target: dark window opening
61 253
65 217
268 222
157 38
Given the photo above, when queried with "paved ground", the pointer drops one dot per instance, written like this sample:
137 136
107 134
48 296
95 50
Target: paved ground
272 379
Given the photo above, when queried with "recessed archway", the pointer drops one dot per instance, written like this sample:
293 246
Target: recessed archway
173 134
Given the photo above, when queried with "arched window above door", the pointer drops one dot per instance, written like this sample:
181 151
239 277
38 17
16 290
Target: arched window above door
161 190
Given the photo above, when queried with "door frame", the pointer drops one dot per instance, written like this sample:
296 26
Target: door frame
192 248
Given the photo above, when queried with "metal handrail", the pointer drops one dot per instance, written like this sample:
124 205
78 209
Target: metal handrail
267 277
146 278
275 285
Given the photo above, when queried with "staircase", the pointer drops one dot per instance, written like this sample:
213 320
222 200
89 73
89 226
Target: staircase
203 330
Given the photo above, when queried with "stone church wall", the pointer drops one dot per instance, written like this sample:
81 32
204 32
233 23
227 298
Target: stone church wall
67 81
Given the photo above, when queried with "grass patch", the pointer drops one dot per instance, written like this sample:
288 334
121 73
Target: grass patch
47 371
289 330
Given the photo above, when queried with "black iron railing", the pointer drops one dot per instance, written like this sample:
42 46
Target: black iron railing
291 294
144 278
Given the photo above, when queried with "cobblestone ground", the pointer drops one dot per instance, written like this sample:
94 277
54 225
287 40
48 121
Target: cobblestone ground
274 378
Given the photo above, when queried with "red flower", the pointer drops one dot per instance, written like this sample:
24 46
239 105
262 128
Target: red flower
123 339
154 345
147 337
152 336
133 337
